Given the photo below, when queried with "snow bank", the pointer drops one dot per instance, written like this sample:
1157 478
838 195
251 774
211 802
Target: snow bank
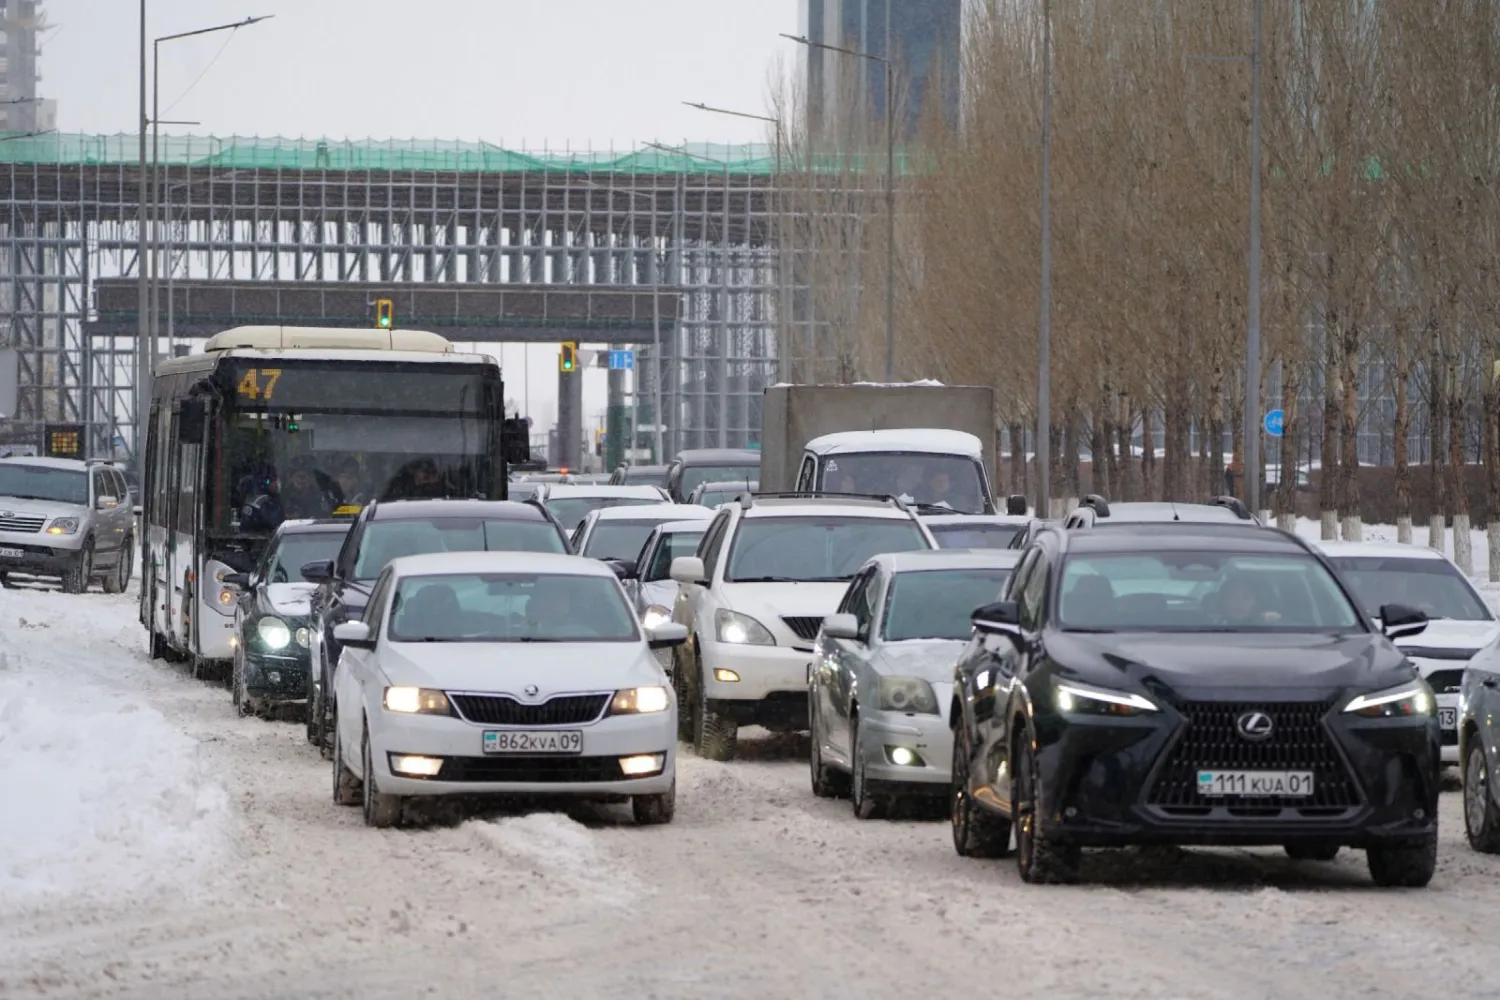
559 853
102 796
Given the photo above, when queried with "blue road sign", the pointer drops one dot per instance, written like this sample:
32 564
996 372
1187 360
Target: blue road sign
622 360
1273 422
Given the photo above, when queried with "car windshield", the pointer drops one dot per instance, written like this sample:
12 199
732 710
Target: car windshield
510 607
1434 586
387 540
284 563
975 536
806 549
714 497
646 477
570 511
949 480
522 491
618 539
1202 591
678 543
936 604
40 482
694 476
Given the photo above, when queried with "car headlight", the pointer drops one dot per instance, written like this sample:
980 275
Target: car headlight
63 526
273 633
731 626
1410 699
304 637
907 694
655 615
640 701
416 701
1077 699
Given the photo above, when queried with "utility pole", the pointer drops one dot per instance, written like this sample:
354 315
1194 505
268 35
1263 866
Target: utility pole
143 350
1044 321
1253 402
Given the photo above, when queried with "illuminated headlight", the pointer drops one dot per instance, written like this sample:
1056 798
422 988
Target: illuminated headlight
273 633
641 765
1076 699
655 615
417 767
416 701
731 626
904 757
63 526
1405 701
303 637
907 694
640 701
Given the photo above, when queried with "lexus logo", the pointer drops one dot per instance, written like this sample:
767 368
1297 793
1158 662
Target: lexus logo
1254 726
531 690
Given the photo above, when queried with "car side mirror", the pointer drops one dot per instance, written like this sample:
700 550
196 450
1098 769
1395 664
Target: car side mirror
841 626
689 569
666 635
999 618
240 580
107 502
624 568
1399 621
138 510
354 634
320 571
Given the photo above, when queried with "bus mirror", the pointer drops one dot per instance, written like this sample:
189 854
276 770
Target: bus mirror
515 433
190 421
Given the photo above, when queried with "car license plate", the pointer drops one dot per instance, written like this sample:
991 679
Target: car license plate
1447 718
519 741
12 553
1268 784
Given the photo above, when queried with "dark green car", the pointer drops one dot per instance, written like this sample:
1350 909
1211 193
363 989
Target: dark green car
272 618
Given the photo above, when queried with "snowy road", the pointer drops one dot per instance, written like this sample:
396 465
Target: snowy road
153 845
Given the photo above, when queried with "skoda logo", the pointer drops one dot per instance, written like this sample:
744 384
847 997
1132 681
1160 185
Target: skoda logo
6 513
1254 726
531 690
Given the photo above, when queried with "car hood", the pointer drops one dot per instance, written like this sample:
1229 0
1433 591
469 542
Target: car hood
930 659
768 602
553 667
290 599
1448 634
47 508
1231 665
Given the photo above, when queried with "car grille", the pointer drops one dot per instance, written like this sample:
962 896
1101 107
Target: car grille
21 523
535 769
804 626
1445 681
1299 742
501 710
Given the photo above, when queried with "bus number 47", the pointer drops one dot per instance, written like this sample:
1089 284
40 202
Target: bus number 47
259 382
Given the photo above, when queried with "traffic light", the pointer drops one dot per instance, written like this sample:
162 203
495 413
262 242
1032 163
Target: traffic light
567 361
385 313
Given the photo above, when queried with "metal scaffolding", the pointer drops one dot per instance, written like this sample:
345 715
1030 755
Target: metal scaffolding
478 242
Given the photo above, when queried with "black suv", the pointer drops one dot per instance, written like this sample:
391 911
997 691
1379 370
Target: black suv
390 530
1189 684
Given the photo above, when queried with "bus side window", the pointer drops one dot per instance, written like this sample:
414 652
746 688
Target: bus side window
187 468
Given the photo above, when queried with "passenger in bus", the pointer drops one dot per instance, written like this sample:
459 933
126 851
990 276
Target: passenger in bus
419 479
351 488
305 496
263 512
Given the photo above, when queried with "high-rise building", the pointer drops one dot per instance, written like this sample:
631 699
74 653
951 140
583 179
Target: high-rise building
922 38
22 23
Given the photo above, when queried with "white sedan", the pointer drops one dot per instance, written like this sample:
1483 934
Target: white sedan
503 673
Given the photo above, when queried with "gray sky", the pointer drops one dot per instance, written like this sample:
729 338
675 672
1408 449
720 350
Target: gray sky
528 73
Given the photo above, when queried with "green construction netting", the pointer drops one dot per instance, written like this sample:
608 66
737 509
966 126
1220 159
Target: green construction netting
251 153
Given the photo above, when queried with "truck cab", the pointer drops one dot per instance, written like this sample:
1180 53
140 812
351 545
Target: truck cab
920 465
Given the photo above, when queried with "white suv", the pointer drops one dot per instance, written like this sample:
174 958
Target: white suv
767 572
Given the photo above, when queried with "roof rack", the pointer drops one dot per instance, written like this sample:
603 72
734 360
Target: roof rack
748 498
1098 503
1235 504
1016 505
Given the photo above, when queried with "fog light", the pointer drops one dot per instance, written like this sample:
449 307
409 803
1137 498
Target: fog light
302 637
903 756
644 764
421 767
725 676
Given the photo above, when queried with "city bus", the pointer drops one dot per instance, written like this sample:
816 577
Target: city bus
272 422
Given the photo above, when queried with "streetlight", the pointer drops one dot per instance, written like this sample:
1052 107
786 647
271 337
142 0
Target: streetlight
1044 321
890 187
784 344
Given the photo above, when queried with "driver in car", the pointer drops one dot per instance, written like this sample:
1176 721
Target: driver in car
550 612
1244 602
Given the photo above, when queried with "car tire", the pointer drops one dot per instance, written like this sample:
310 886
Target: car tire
1039 859
715 737
118 580
655 810
864 805
1410 867
240 698
381 810
1481 817
683 669
977 832
346 787
1311 851
80 572
826 782
7 582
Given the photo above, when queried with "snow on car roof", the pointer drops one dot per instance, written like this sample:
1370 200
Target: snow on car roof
562 491
930 559
928 440
655 512
1378 550
440 563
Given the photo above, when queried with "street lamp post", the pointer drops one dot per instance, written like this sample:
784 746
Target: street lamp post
1044 320
890 188
784 339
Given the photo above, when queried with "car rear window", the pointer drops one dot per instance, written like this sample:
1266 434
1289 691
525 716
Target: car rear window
388 540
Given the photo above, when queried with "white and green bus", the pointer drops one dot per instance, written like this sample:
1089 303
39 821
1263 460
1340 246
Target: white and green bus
271 423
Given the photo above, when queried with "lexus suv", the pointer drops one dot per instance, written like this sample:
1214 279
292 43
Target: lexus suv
1188 684
768 570
66 519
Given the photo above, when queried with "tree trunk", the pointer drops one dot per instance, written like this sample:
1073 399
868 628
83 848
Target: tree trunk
1148 456
1349 438
1328 499
1124 429
1018 477
1438 434
1400 431
1490 450
1100 480
1463 548
1288 461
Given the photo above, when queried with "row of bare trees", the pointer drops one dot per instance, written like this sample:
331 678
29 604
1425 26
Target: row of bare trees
1380 227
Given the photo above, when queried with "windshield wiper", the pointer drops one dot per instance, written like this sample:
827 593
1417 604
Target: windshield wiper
766 579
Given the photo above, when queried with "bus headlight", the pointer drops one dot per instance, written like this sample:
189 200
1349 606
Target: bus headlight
274 633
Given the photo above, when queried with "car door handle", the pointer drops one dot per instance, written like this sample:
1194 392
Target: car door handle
1490 682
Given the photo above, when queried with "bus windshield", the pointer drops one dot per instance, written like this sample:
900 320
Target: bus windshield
312 439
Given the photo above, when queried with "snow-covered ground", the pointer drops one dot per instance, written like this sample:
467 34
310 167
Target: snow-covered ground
154 845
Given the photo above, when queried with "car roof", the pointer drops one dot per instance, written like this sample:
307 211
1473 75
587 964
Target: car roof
319 525
673 527
654 512
805 506
401 510
71 464
1020 520
1153 510
562 491
1237 536
1377 550
719 456
929 440
438 563
728 484
653 469
930 559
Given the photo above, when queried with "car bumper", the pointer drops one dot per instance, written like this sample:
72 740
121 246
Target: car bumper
927 737
26 554
281 678
468 770
1100 788
761 671
1449 734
